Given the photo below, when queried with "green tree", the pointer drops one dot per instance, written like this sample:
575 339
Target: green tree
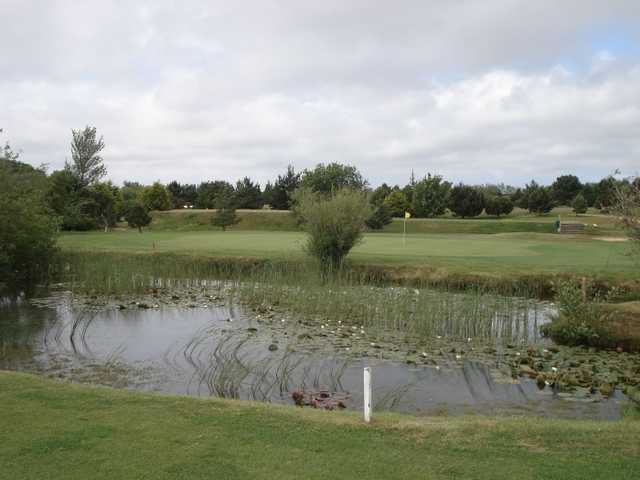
156 197
627 208
279 195
248 194
379 194
380 216
87 164
106 203
579 204
430 196
466 201
333 222
606 197
209 192
137 216
331 177
539 200
397 203
27 228
565 188
225 215
498 205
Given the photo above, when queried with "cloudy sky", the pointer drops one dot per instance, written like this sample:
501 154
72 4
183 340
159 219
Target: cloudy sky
478 91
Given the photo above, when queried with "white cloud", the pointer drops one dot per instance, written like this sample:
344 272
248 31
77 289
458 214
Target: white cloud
501 90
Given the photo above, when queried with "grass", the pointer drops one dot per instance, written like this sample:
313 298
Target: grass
500 254
279 220
53 430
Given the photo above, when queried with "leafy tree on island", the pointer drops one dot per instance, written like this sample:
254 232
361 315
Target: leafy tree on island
137 216
466 201
579 204
334 224
156 197
430 197
225 215
87 164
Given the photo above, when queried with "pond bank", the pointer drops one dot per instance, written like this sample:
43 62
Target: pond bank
59 430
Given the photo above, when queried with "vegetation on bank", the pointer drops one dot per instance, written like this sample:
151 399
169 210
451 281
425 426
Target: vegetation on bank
58 430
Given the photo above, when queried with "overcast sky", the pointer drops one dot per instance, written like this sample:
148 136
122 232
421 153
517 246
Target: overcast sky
478 91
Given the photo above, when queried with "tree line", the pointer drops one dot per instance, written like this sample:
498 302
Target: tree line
80 198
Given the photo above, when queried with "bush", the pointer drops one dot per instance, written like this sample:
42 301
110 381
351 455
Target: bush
580 319
334 224
226 213
27 228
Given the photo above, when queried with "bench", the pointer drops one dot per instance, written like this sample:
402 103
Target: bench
571 227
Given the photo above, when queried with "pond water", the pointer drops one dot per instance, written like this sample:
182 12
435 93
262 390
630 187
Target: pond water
230 351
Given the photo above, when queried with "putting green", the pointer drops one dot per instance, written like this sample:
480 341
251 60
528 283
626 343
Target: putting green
469 252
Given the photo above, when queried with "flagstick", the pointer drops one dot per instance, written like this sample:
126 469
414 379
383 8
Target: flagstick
404 233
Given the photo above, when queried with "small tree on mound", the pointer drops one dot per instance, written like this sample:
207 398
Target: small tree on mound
137 216
579 204
333 222
225 215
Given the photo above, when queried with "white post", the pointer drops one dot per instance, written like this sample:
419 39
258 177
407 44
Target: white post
367 394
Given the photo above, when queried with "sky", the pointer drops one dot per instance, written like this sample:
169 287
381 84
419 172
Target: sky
477 91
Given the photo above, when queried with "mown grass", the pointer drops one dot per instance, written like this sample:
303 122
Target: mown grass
54 430
501 254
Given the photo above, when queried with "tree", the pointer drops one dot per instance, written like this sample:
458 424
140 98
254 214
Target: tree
430 196
280 193
182 194
225 215
539 200
607 188
70 202
498 205
579 204
466 201
27 228
137 216
565 188
106 203
248 194
627 208
379 194
333 223
209 192
380 216
87 165
332 177
156 197
397 203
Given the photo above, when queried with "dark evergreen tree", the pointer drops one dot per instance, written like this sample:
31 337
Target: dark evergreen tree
248 194
466 201
565 188
380 216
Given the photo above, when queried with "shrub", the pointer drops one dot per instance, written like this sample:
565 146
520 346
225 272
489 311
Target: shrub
580 319
333 222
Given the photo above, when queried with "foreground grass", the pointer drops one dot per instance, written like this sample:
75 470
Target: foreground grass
501 254
52 430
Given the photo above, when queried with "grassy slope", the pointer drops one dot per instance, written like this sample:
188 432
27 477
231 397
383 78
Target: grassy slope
518 221
51 430
501 254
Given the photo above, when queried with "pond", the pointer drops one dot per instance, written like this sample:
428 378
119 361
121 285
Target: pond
221 347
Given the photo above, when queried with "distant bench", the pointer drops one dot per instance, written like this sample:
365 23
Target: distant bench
571 227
